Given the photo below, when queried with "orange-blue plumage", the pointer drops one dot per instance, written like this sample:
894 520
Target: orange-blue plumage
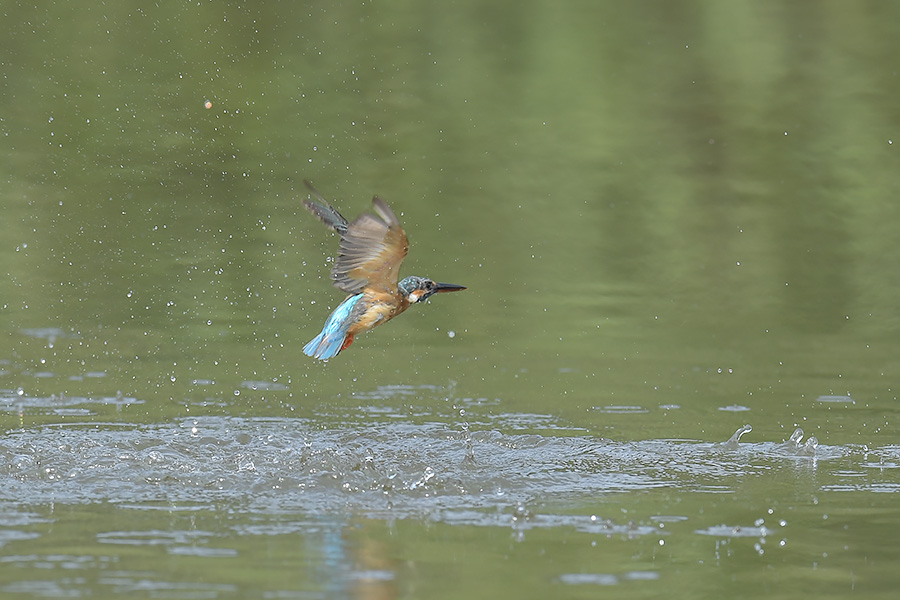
367 267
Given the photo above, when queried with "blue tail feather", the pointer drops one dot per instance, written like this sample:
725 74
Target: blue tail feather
328 343
324 348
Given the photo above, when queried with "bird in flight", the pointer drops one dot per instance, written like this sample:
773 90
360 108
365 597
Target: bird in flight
367 267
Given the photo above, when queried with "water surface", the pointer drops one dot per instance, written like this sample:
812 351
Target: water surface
673 220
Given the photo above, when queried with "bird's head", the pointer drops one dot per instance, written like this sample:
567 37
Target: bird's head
416 289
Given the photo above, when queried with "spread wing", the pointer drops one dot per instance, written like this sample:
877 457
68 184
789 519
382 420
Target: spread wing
372 246
371 251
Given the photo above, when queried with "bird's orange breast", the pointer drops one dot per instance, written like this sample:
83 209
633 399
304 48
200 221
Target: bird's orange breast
378 308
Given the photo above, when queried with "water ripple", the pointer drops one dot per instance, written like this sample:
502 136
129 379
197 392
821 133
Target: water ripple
404 468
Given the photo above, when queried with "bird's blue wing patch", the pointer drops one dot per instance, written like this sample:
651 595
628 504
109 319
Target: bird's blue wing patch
328 343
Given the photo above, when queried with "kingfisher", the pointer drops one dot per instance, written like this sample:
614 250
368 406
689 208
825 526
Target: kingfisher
367 267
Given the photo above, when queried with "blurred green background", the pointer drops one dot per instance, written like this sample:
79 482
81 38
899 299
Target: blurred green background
636 195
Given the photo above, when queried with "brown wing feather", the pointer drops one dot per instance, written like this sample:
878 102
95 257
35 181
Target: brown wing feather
371 251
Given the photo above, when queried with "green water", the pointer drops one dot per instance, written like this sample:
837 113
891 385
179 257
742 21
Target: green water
673 218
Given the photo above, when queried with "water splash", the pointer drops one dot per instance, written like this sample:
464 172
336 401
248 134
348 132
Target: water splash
793 443
734 441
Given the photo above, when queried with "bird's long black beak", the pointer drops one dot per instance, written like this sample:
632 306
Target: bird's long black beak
447 287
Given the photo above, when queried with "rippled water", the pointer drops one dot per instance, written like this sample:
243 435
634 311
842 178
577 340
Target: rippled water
338 493
386 467
301 478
